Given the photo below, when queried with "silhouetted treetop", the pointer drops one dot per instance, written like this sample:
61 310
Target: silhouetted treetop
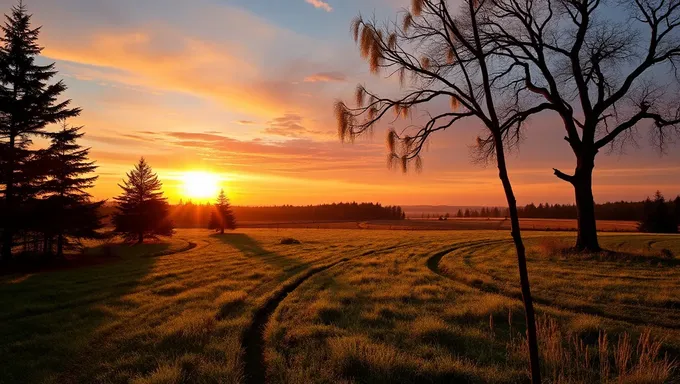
142 211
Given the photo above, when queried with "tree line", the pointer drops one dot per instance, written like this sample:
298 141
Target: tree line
620 210
190 215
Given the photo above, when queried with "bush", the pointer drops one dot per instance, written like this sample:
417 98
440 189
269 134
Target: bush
289 241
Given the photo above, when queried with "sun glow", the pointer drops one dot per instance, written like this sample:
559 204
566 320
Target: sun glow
200 185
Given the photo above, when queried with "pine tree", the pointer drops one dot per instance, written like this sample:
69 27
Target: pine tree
142 209
658 217
28 104
69 211
221 217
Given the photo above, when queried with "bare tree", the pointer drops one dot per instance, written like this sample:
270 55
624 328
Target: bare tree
607 67
438 54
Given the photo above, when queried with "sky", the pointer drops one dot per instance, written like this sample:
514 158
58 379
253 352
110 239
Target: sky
245 89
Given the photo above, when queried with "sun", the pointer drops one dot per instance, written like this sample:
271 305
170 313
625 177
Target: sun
200 185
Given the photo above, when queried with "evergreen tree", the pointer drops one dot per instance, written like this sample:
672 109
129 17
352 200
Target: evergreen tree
658 217
221 217
142 209
459 214
68 211
28 104
467 213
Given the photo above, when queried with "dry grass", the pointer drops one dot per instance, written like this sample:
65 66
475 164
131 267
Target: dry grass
382 316
567 358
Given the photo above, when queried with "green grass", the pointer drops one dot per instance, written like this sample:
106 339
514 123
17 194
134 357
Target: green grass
391 313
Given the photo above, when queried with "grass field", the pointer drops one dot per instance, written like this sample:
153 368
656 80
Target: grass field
346 306
453 223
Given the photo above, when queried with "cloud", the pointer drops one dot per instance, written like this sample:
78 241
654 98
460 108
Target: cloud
196 136
245 122
324 77
161 56
319 4
290 125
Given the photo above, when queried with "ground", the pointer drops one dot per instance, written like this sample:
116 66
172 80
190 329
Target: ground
346 306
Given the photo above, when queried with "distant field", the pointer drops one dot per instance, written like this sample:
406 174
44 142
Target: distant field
450 224
345 306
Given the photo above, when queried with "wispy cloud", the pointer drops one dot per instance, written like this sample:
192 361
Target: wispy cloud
326 77
290 125
320 5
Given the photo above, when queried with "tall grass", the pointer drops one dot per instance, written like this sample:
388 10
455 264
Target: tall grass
567 358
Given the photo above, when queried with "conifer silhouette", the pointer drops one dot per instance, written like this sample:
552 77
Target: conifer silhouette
142 209
28 103
221 217
66 208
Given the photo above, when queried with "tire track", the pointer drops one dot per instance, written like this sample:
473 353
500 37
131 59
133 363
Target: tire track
253 337
433 264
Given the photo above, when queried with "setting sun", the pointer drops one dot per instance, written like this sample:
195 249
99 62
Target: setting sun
200 185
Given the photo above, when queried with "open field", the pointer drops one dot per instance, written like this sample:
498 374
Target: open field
450 224
346 306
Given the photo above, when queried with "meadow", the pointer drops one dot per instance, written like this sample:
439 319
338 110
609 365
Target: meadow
346 306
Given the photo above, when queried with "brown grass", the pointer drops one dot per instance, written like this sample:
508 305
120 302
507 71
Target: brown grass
566 358
381 316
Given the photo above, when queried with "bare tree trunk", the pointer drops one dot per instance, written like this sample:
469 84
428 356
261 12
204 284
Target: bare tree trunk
532 337
140 238
585 205
60 245
8 222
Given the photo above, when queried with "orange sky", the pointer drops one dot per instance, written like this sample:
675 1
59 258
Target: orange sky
245 89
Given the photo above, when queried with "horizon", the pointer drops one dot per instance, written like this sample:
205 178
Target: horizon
242 98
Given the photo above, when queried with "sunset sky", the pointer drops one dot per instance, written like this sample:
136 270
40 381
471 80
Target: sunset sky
245 89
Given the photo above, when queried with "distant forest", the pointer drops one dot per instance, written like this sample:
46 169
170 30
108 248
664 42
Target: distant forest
622 210
190 215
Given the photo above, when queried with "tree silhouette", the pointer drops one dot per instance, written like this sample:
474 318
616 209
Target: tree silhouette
221 216
28 103
142 209
440 55
658 216
66 205
599 64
